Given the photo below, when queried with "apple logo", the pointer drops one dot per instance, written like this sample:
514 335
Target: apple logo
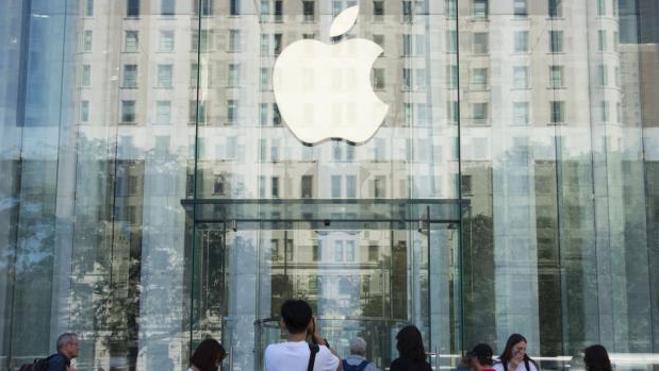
324 91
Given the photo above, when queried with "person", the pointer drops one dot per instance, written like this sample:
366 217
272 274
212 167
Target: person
68 348
357 361
208 356
296 353
480 358
514 357
412 356
596 358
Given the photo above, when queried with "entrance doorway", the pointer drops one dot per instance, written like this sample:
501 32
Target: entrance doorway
362 278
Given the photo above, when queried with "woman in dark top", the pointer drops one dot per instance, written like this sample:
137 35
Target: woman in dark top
410 347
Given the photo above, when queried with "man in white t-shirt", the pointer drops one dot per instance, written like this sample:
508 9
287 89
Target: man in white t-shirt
294 354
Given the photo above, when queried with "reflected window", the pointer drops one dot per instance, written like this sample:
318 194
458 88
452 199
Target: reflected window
453 111
203 7
166 41
479 111
521 41
480 9
264 79
338 251
89 8
265 10
165 72
278 44
167 7
603 75
163 112
306 186
378 78
378 10
521 77
274 150
130 76
87 41
127 111
219 185
601 8
201 40
232 111
379 39
556 77
234 7
234 75
556 41
520 113
194 74
86 76
373 253
198 112
479 78
557 109
380 186
264 109
466 185
279 10
452 72
308 11
133 8
407 11
451 8
263 150
407 79
289 249
261 186
601 40
520 8
274 187
452 41
604 111
276 115
315 251
265 44
84 111
555 8
336 186
350 251
480 43
160 148
274 250
408 114
350 152
131 42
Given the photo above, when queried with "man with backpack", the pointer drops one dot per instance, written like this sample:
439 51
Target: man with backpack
68 348
296 354
357 361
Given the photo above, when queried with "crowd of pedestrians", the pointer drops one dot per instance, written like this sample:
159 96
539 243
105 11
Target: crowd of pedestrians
305 349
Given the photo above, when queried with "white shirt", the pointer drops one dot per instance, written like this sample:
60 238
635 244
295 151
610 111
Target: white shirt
356 360
498 366
294 356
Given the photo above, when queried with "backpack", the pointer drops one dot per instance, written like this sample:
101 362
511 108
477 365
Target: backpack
39 364
359 367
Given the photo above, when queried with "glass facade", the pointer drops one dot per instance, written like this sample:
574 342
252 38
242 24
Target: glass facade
151 192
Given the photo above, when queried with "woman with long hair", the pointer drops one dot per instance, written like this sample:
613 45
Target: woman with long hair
596 358
412 356
514 357
208 356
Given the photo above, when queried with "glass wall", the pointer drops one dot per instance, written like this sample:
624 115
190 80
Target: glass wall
134 133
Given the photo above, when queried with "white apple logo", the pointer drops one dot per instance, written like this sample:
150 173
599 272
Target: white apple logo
324 91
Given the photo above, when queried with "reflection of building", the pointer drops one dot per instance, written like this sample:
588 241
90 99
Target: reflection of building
123 109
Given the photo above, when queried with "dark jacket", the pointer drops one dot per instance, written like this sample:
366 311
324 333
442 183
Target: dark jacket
58 362
405 364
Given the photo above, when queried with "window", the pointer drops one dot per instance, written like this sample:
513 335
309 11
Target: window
265 44
89 8
167 7
200 40
466 184
163 112
373 253
407 11
308 36
521 41
219 186
278 43
276 116
452 72
264 81
378 78
479 78
350 251
306 186
274 150
279 10
127 111
407 44
557 112
233 79
603 75
601 40
84 111
452 41
520 77
453 111
378 10
338 251
232 113
166 43
601 8
197 111
165 72
555 8
133 8
194 73
234 40
556 41
479 111
308 11
234 7
351 186
604 110
380 187
480 9
520 113
451 8
520 8
274 186
616 76
420 77
379 39
556 77
407 79
86 78
261 185
315 256
263 150
131 42
350 152
205 7
130 76
481 43
408 114
87 41
336 186
263 114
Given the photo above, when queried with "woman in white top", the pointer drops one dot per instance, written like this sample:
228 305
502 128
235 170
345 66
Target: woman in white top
514 357
208 356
